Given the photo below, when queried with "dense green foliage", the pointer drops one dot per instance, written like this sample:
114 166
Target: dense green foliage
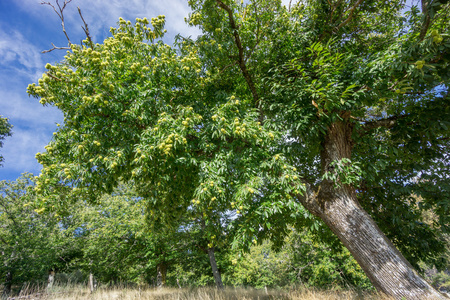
113 241
30 243
304 260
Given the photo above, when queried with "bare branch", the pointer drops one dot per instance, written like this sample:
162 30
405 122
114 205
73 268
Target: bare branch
86 29
60 14
59 10
56 48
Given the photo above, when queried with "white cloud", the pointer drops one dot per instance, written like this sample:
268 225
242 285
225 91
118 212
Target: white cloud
19 54
20 108
21 63
33 127
20 149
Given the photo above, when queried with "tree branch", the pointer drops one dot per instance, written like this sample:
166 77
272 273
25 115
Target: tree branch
387 123
309 200
349 18
56 48
426 22
60 15
241 58
86 29
334 9
60 12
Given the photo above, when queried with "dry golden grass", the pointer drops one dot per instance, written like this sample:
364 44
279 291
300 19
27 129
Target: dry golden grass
82 293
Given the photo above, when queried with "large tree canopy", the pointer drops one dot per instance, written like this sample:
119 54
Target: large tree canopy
337 109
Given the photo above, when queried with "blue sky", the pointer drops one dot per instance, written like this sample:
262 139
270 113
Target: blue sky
26 29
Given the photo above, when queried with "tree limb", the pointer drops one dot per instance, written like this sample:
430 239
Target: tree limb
86 29
349 18
59 10
427 21
309 200
387 123
334 9
241 58
60 15
56 48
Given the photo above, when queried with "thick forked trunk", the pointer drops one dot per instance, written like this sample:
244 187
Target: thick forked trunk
338 207
216 273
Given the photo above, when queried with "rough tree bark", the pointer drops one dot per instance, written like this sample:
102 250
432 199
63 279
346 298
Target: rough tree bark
92 284
161 270
212 261
338 207
215 270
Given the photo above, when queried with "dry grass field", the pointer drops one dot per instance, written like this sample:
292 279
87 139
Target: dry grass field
81 293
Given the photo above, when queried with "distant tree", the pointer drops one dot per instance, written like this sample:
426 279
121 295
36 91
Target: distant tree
306 258
30 242
112 237
5 131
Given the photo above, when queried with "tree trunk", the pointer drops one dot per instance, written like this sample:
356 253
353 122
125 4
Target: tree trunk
8 284
51 279
161 270
338 207
216 273
92 284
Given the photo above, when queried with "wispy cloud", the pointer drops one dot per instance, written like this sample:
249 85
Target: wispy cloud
17 106
19 54
33 127
19 152
22 63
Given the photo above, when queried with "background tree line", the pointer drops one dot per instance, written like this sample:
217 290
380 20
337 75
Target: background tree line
113 241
